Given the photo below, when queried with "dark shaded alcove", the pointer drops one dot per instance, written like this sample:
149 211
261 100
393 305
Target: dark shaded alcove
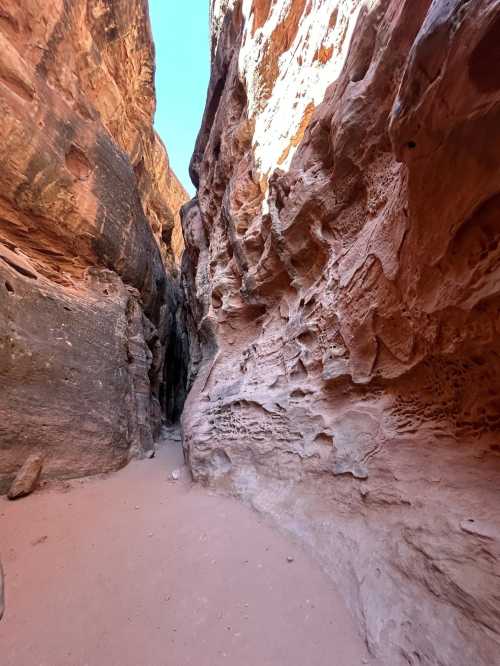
173 390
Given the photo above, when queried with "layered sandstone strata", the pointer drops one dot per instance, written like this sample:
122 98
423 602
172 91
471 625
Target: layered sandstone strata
88 208
343 277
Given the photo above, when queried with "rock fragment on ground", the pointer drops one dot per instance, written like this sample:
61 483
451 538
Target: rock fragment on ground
27 477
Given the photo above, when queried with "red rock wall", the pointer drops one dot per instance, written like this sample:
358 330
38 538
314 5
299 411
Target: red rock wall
343 276
88 205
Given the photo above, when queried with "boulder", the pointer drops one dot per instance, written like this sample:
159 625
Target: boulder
27 478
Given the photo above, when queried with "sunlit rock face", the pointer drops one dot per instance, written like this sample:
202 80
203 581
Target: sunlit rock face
88 208
343 277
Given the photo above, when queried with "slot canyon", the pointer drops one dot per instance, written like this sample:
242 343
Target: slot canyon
300 362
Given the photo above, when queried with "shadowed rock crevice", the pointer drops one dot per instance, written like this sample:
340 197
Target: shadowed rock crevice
174 385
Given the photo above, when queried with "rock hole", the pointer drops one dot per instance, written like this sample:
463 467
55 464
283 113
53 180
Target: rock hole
9 287
323 438
364 53
411 145
111 33
77 163
217 150
306 337
216 301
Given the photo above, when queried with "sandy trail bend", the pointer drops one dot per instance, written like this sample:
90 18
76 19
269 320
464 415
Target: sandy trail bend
139 570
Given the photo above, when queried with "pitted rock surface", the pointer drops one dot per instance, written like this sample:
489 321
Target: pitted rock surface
342 271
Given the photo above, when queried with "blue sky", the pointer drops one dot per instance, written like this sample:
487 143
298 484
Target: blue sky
180 32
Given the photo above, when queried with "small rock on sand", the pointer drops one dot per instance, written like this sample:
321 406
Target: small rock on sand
27 477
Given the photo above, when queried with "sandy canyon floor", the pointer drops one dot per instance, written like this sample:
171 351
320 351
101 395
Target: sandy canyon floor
139 569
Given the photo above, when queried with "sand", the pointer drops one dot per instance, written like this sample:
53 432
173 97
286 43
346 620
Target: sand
136 569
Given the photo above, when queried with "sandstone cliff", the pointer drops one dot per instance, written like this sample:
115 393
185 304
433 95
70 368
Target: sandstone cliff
88 209
343 276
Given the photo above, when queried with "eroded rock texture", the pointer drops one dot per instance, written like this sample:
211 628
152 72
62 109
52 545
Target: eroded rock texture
88 208
343 277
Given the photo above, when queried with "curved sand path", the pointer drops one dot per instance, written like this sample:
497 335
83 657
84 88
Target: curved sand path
139 570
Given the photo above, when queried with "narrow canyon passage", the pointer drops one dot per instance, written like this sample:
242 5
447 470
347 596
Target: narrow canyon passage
319 315
137 568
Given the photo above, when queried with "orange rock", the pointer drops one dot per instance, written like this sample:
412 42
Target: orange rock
89 237
27 477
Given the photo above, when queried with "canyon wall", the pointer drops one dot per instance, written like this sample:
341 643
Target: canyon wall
342 272
89 230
